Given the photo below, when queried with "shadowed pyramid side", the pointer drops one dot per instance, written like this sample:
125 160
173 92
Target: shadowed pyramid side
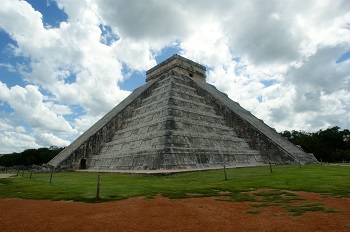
90 142
273 147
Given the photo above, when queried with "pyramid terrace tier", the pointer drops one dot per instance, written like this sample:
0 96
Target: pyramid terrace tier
174 123
176 111
176 158
174 85
176 139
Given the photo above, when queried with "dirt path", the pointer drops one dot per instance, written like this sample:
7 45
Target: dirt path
5 175
161 214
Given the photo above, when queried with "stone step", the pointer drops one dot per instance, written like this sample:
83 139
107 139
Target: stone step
179 111
182 151
173 88
180 123
179 137
168 161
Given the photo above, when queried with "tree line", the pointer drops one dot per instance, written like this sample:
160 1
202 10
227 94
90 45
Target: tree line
331 145
30 156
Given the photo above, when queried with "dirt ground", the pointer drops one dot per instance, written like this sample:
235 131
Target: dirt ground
5 175
161 214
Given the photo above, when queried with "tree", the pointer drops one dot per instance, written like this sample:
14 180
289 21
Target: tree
331 145
30 156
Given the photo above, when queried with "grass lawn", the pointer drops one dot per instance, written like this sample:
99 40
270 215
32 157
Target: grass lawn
78 186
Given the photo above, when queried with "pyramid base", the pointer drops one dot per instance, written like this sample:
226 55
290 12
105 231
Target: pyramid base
163 172
173 161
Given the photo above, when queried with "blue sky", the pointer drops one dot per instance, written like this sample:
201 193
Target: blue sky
64 64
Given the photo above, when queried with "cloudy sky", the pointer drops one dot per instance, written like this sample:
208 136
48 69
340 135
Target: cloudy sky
65 63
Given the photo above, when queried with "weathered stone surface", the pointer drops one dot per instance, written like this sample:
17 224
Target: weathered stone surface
179 64
177 121
174 128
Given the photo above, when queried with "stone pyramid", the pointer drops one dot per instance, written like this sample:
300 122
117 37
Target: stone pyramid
178 121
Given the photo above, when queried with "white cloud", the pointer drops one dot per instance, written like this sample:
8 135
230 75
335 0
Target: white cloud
72 49
136 55
8 67
277 59
48 139
58 108
5 124
29 106
16 142
14 19
321 72
211 37
84 123
154 21
20 129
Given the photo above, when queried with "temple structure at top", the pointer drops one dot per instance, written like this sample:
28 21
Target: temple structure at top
180 65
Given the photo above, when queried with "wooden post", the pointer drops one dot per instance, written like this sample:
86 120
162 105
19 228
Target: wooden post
98 188
51 176
270 167
225 172
18 171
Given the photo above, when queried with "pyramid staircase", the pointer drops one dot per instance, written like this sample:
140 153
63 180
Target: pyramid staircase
174 128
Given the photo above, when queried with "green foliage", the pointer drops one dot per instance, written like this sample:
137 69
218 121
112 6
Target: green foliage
277 196
288 201
331 145
297 210
265 204
29 157
254 211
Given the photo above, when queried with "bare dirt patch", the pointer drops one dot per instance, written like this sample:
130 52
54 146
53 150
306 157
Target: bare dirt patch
2 175
162 214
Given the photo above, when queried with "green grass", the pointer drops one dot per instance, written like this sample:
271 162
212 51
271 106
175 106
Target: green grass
297 210
254 211
78 186
276 196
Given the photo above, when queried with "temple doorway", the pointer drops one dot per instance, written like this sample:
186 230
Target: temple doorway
82 164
